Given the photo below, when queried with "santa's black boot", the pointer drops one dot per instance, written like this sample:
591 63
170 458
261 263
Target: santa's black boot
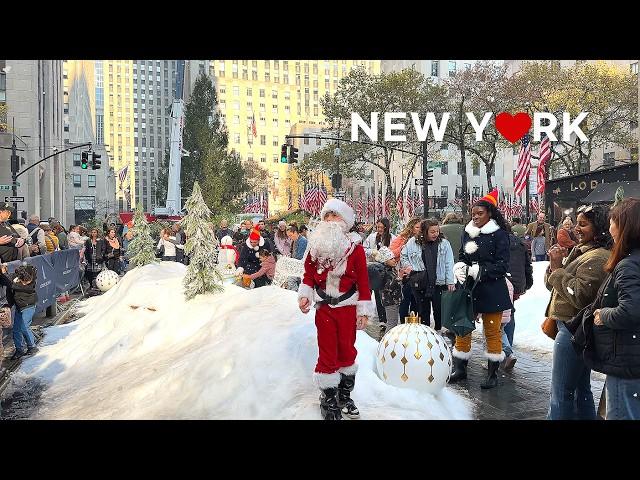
329 404
346 403
492 376
459 370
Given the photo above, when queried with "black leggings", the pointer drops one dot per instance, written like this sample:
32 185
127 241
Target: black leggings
424 306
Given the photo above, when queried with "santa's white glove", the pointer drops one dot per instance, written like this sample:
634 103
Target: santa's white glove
460 271
473 271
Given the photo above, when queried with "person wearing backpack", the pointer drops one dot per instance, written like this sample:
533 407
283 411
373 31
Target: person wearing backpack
520 274
36 236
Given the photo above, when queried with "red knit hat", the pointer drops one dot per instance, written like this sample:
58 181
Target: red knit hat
254 235
491 197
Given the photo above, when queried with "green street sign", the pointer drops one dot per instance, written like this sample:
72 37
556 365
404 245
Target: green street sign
5 187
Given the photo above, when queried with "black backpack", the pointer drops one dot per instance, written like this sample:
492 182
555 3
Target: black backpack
34 241
517 257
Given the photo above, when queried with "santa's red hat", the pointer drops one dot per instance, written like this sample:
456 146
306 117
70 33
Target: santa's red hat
255 235
491 197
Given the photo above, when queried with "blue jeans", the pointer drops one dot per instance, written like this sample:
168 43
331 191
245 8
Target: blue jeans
21 323
506 345
571 396
541 258
510 327
621 402
406 303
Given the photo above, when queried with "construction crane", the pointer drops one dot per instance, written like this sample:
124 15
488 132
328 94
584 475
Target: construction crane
173 206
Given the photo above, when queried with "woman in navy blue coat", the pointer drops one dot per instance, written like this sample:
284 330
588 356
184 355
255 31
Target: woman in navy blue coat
484 257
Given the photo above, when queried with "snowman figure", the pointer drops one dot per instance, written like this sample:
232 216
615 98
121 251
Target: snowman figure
228 253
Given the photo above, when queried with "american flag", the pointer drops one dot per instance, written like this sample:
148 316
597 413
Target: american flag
322 198
290 201
533 205
359 208
370 207
254 130
545 156
264 207
387 204
380 208
122 175
524 165
400 206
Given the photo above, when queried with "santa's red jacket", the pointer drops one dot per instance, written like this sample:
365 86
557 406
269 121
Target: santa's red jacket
352 269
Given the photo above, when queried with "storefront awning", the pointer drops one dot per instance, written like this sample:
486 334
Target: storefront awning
605 192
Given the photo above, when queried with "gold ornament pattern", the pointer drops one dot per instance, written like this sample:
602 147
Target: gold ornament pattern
419 344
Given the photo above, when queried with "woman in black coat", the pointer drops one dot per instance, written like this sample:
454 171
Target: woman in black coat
613 347
94 253
484 257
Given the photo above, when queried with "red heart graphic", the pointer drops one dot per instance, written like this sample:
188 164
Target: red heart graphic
513 127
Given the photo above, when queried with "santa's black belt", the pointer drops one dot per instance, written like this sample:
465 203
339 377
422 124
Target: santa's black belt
326 299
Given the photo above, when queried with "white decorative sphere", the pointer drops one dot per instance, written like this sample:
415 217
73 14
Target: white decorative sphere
106 279
412 355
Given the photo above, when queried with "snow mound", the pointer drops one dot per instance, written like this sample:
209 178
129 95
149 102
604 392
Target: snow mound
142 352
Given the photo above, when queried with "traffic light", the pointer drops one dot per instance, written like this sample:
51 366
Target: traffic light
293 154
283 153
84 161
95 162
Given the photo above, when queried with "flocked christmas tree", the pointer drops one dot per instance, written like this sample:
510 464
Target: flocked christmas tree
202 248
141 250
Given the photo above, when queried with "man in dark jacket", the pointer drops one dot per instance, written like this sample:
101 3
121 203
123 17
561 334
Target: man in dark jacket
249 259
10 240
224 230
520 275
452 228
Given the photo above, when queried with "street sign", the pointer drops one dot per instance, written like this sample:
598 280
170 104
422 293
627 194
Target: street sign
420 181
14 199
5 187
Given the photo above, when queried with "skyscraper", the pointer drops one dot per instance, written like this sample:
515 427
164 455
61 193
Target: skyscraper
275 94
118 80
153 91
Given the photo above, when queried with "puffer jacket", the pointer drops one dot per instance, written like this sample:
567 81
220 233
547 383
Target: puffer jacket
574 286
520 272
22 296
615 349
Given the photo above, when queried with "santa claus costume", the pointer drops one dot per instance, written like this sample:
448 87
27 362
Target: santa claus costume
335 278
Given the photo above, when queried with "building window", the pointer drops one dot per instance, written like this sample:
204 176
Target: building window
306 140
92 181
236 138
452 68
77 157
263 139
262 92
249 92
77 180
476 168
444 168
476 191
609 159
275 141
263 158
236 91
444 191
222 90
634 68
460 168
275 159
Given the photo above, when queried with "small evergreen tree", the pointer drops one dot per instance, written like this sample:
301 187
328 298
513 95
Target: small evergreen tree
201 245
141 249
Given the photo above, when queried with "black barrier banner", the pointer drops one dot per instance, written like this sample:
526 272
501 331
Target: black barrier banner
57 272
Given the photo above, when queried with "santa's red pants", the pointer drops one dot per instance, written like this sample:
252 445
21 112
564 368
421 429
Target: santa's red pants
336 338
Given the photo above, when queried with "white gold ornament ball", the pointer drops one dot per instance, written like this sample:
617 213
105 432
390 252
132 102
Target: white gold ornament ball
106 280
412 355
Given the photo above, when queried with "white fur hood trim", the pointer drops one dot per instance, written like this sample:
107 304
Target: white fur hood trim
490 227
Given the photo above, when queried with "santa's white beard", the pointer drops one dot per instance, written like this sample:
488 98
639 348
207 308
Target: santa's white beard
328 241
